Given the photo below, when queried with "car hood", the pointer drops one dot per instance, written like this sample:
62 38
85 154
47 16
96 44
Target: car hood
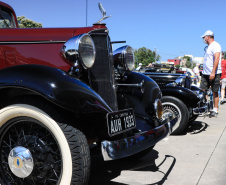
40 34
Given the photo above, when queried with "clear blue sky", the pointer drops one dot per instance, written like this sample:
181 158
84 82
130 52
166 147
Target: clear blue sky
173 27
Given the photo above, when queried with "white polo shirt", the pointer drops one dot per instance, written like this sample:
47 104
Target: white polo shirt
213 48
196 70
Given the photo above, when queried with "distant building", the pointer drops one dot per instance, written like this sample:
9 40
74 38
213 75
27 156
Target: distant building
167 63
199 60
175 61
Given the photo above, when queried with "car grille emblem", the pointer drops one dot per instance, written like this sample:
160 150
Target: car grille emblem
18 162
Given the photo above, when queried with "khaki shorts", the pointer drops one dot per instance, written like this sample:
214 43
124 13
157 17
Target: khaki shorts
206 83
223 83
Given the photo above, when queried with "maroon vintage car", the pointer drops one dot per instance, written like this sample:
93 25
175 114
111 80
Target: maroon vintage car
63 91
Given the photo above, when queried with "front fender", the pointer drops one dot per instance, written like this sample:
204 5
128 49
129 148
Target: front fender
195 88
142 103
55 85
186 95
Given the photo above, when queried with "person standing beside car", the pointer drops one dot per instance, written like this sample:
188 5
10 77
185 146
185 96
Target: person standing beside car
139 67
223 78
211 69
196 71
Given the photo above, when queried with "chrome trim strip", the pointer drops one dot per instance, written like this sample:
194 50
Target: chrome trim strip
140 85
102 31
111 66
31 42
202 110
112 150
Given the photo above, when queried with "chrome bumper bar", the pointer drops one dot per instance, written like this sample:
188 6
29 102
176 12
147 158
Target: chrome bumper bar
112 150
202 110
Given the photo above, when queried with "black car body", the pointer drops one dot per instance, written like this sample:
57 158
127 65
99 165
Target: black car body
177 90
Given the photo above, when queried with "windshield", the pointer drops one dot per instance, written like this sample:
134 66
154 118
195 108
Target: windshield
6 20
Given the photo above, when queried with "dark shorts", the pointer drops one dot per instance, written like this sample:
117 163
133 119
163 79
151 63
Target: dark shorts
206 83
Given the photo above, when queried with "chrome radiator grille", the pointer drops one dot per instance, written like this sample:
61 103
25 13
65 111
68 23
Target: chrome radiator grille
101 75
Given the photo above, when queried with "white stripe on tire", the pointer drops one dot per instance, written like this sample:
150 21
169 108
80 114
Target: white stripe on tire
17 110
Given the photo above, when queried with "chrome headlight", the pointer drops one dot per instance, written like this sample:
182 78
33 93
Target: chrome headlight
80 49
124 58
199 94
158 108
180 81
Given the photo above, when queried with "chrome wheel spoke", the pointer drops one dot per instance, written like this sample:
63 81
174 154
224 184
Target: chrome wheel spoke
43 147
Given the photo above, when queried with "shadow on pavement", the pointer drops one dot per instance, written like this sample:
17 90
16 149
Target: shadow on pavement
102 172
168 171
197 127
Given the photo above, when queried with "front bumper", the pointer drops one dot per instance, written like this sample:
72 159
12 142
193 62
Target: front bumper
112 150
202 110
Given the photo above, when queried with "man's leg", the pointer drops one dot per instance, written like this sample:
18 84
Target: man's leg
215 100
204 85
222 93
215 88
214 112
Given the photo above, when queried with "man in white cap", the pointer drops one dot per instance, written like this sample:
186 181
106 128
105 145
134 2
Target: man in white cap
211 69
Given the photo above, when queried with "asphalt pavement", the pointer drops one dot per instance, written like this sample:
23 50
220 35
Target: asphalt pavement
197 157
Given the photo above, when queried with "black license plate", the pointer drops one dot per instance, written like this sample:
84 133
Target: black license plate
120 121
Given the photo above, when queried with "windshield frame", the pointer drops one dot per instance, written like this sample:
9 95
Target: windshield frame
7 15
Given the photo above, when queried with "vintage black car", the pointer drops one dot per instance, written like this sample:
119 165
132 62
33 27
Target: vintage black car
158 68
180 97
62 92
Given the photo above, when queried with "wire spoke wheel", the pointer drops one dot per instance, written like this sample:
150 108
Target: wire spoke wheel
37 148
177 108
30 134
171 108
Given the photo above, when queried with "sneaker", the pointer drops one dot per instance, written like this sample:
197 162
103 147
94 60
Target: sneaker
222 102
213 114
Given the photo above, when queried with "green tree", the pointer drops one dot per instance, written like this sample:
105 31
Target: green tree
145 56
188 63
193 65
27 23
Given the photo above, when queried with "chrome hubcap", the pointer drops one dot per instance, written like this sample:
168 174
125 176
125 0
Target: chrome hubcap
20 162
172 109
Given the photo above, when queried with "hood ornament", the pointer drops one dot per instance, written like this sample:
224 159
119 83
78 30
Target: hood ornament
103 12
